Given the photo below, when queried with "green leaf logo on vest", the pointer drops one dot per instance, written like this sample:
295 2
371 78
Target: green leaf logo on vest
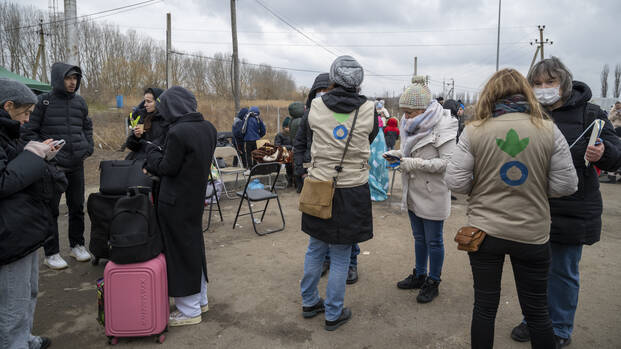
513 145
341 118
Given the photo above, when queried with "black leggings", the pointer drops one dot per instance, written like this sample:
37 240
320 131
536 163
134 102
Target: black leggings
530 269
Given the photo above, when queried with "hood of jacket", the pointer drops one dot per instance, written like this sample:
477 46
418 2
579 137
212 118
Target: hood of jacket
341 100
242 113
296 110
580 94
175 103
59 72
392 122
321 81
155 91
452 105
8 126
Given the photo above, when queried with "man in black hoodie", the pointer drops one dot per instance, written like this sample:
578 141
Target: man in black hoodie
63 114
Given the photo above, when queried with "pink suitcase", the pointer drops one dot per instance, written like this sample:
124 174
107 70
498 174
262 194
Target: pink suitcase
136 299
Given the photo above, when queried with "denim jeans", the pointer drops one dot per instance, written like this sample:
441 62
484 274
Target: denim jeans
335 289
563 287
74 196
19 285
530 270
353 258
428 245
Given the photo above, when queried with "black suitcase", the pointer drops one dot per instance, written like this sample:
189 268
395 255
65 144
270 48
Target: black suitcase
117 176
100 209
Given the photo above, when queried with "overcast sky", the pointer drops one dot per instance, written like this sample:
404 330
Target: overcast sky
452 38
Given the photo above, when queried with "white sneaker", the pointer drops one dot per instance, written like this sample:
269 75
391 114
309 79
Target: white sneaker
204 308
80 254
178 319
55 262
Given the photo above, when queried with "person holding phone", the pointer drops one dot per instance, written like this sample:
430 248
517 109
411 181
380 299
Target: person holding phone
428 139
151 126
27 185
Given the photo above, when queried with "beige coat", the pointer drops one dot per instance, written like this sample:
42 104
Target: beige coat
427 194
509 188
615 117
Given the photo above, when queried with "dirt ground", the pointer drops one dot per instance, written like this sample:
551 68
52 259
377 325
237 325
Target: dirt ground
254 295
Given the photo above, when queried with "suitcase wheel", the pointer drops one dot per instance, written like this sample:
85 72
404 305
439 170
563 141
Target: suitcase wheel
95 261
161 338
113 341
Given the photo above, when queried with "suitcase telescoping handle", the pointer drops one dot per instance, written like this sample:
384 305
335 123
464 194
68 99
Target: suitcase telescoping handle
138 189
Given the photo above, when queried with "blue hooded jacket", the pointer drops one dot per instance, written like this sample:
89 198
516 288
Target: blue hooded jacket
255 128
238 123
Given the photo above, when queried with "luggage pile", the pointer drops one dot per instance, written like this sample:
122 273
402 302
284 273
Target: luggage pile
133 294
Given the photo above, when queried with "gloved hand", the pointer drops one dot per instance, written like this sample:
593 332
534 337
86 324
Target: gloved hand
395 153
38 148
411 164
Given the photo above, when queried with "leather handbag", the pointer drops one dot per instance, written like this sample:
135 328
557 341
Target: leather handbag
117 176
317 195
469 238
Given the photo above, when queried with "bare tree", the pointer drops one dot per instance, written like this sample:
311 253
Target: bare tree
604 76
616 90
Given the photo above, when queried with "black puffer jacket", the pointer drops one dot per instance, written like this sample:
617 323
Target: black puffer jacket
62 115
577 219
27 185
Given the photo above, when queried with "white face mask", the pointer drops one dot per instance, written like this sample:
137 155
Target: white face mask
319 94
547 96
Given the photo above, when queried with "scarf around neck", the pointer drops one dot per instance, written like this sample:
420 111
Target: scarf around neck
512 104
415 129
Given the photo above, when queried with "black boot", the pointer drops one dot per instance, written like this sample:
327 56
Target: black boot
520 333
428 291
352 275
412 281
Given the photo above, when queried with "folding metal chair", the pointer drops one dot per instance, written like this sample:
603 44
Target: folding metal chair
228 154
258 195
211 194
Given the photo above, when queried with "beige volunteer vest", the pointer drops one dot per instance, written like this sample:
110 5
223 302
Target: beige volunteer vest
509 198
330 133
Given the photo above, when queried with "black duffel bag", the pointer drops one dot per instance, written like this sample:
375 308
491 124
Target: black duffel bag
117 176
100 209
134 233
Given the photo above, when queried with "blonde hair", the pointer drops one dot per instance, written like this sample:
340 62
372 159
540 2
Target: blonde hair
505 83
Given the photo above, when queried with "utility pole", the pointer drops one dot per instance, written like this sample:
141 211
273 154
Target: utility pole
443 88
498 40
71 28
453 87
415 65
540 43
168 51
235 56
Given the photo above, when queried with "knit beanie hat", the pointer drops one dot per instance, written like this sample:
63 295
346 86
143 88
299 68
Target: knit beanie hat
15 91
347 72
417 96
286 122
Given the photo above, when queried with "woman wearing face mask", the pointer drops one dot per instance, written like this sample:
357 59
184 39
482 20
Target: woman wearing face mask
427 141
150 128
576 219
27 186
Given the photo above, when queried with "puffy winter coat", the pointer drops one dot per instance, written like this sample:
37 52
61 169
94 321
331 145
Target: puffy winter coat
27 186
254 126
154 134
238 123
296 110
577 219
62 115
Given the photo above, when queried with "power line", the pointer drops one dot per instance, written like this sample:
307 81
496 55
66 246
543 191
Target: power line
294 28
244 63
128 7
287 44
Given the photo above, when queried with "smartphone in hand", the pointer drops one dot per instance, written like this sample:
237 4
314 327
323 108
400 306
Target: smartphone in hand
391 157
58 144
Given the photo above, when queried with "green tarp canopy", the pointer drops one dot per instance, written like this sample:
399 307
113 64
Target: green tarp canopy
36 86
